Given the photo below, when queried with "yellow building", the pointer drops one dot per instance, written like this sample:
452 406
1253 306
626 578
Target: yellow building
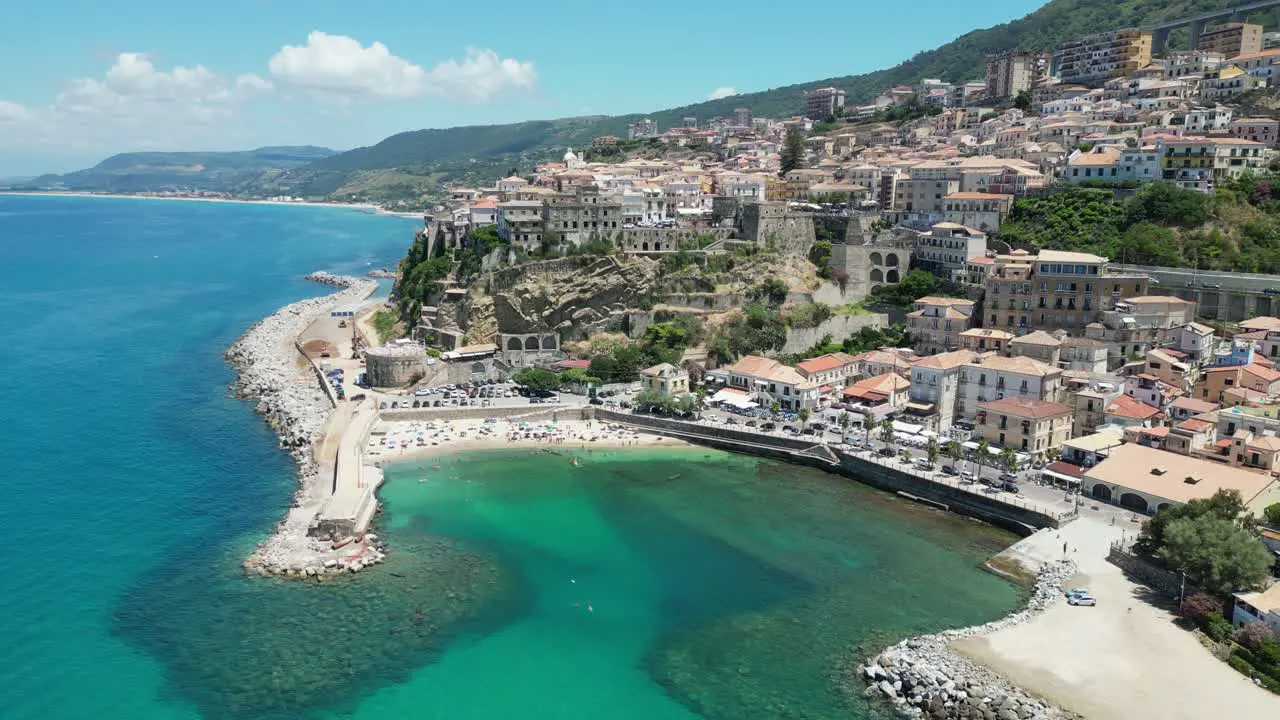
1025 424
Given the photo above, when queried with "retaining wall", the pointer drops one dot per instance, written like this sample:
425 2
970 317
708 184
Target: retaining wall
838 327
1014 516
1168 583
324 382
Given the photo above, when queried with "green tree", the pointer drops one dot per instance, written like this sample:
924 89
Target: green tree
984 453
955 451
845 421
775 408
1271 515
869 423
933 450
772 292
537 379
1223 504
792 150
886 432
1216 554
1022 101
578 376
1009 459
803 414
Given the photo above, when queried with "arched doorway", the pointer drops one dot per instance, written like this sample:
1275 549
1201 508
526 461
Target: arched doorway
1134 501
891 259
891 276
531 343
1101 492
513 343
549 342
877 276
877 259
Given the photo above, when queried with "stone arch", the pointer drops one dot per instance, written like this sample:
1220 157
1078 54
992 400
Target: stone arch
877 259
1162 506
891 259
548 342
891 276
877 275
513 343
531 343
645 246
478 368
1134 501
1101 492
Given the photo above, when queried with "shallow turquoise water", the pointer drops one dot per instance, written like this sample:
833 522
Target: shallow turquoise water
719 586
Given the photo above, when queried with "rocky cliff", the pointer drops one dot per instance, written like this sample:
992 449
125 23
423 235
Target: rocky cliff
575 297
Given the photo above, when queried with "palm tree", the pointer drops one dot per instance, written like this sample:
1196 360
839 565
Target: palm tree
1009 459
868 424
844 425
933 450
774 409
804 414
984 451
886 432
955 451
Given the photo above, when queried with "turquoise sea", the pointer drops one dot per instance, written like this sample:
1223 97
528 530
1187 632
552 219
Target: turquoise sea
675 583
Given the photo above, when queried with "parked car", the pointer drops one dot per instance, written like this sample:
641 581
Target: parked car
1011 488
1085 600
924 464
769 426
1008 477
358 397
596 401
948 470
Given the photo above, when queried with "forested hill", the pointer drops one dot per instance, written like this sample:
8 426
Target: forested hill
961 59
150 171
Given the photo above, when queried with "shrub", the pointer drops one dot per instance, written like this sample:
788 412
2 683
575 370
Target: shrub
1253 635
1198 607
1217 627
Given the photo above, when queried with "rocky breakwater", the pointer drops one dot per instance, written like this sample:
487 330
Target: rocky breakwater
924 678
266 362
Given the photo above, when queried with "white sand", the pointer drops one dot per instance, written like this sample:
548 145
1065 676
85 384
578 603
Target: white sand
406 439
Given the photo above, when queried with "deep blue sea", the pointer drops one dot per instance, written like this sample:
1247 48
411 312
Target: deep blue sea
675 584
122 449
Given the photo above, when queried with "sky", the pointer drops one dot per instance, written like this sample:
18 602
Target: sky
84 79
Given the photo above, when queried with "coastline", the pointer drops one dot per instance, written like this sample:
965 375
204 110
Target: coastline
362 207
265 361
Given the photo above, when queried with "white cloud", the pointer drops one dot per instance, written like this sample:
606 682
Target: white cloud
722 92
133 104
338 67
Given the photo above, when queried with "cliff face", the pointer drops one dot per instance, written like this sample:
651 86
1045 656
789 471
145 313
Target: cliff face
575 296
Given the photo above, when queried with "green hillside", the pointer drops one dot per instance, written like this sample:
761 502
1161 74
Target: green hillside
147 171
487 151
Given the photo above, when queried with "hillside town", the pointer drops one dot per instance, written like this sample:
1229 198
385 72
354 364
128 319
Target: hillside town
620 274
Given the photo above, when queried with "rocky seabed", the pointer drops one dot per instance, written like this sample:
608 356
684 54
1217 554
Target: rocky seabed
924 678
265 360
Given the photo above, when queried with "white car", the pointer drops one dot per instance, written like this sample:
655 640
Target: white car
1086 600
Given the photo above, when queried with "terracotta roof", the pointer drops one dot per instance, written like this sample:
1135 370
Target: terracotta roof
982 260
822 363
885 383
1065 468
947 301
1192 405
754 365
1265 374
660 370
1154 299
987 333
1194 425
1027 407
1126 407
1261 323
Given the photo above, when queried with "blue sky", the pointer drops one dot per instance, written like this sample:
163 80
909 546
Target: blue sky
84 78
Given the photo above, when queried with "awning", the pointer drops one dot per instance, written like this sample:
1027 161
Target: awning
908 428
922 408
1059 476
736 399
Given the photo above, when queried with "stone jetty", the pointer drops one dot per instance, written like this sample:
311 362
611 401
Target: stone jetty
266 362
924 678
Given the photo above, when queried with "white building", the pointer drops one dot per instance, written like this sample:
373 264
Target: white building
935 386
1203 119
995 378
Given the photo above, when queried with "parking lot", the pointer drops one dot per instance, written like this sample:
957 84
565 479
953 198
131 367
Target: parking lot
479 394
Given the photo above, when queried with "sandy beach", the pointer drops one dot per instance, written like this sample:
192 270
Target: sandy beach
363 207
403 440
1125 658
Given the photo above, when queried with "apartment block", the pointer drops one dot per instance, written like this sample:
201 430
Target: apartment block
995 378
1013 72
936 323
1054 290
1094 59
947 248
822 103
1025 424
1200 163
935 387
1231 39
